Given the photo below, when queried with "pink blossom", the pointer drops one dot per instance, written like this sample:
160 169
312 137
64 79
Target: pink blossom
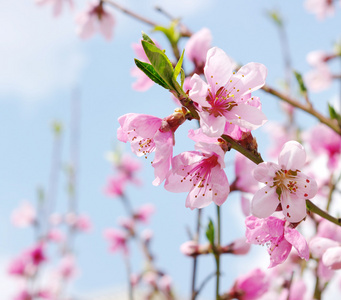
36 254
67 267
284 184
278 236
222 97
57 5
240 246
244 167
165 283
250 286
128 166
18 266
201 174
150 277
56 235
189 248
144 212
95 18
147 134
117 239
147 235
127 223
197 47
318 79
83 223
321 8
115 186
23 295
24 216
324 140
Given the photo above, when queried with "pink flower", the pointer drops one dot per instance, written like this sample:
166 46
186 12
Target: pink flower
57 5
324 140
278 236
318 79
147 134
201 174
144 212
18 266
117 239
240 246
56 235
93 19
166 283
250 286
244 167
222 97
67 267
197 47
285 185
128 166
24 216
83 223
115 186
23 295
36 254
189 248
321 8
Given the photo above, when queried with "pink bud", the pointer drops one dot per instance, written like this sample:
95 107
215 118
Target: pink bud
240 246
189 248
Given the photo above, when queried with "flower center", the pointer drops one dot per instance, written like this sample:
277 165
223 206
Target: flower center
285 179
221 102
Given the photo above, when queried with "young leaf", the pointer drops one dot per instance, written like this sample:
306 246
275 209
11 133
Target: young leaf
146 38
182 76
300 81
160 62
178 66
149 70
210 232
333 113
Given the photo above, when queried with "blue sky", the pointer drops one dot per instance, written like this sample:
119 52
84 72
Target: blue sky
42 62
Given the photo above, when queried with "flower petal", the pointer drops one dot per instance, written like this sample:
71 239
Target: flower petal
319 245
198 91
332 258
298 241
249 78
265 172
264 202
294 208
218 68
292 156
307 186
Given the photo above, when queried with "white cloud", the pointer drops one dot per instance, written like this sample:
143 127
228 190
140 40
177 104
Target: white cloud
38 53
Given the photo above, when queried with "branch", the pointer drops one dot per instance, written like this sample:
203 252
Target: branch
306 107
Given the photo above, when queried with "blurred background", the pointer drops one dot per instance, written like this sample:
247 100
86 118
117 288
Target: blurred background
48 75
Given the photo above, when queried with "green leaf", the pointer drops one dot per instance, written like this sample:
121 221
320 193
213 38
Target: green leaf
210 232
182 78
149 70
300 81
160 62
171 33
333 113
146 38
178 66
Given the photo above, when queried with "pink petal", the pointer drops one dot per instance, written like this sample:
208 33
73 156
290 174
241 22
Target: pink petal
264 202
292 156
298 241
249 78
221 185
307 186
198 91
211 125
247 116
218 68
294 208
198 45
279 252
319 245
106 25
265 172
332 258
143 82
163 155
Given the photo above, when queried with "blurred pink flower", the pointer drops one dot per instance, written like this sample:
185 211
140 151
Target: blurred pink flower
278 236
165 283
240 246
245 182
284 184
18 266
83 223
318 79
24 215
146 235
222 97
95 18
23 295
67 267
57 5
144 212
250 286
201 174
115 186
189 248
197 46
36 254
321 8
324 140
56 235
117 240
